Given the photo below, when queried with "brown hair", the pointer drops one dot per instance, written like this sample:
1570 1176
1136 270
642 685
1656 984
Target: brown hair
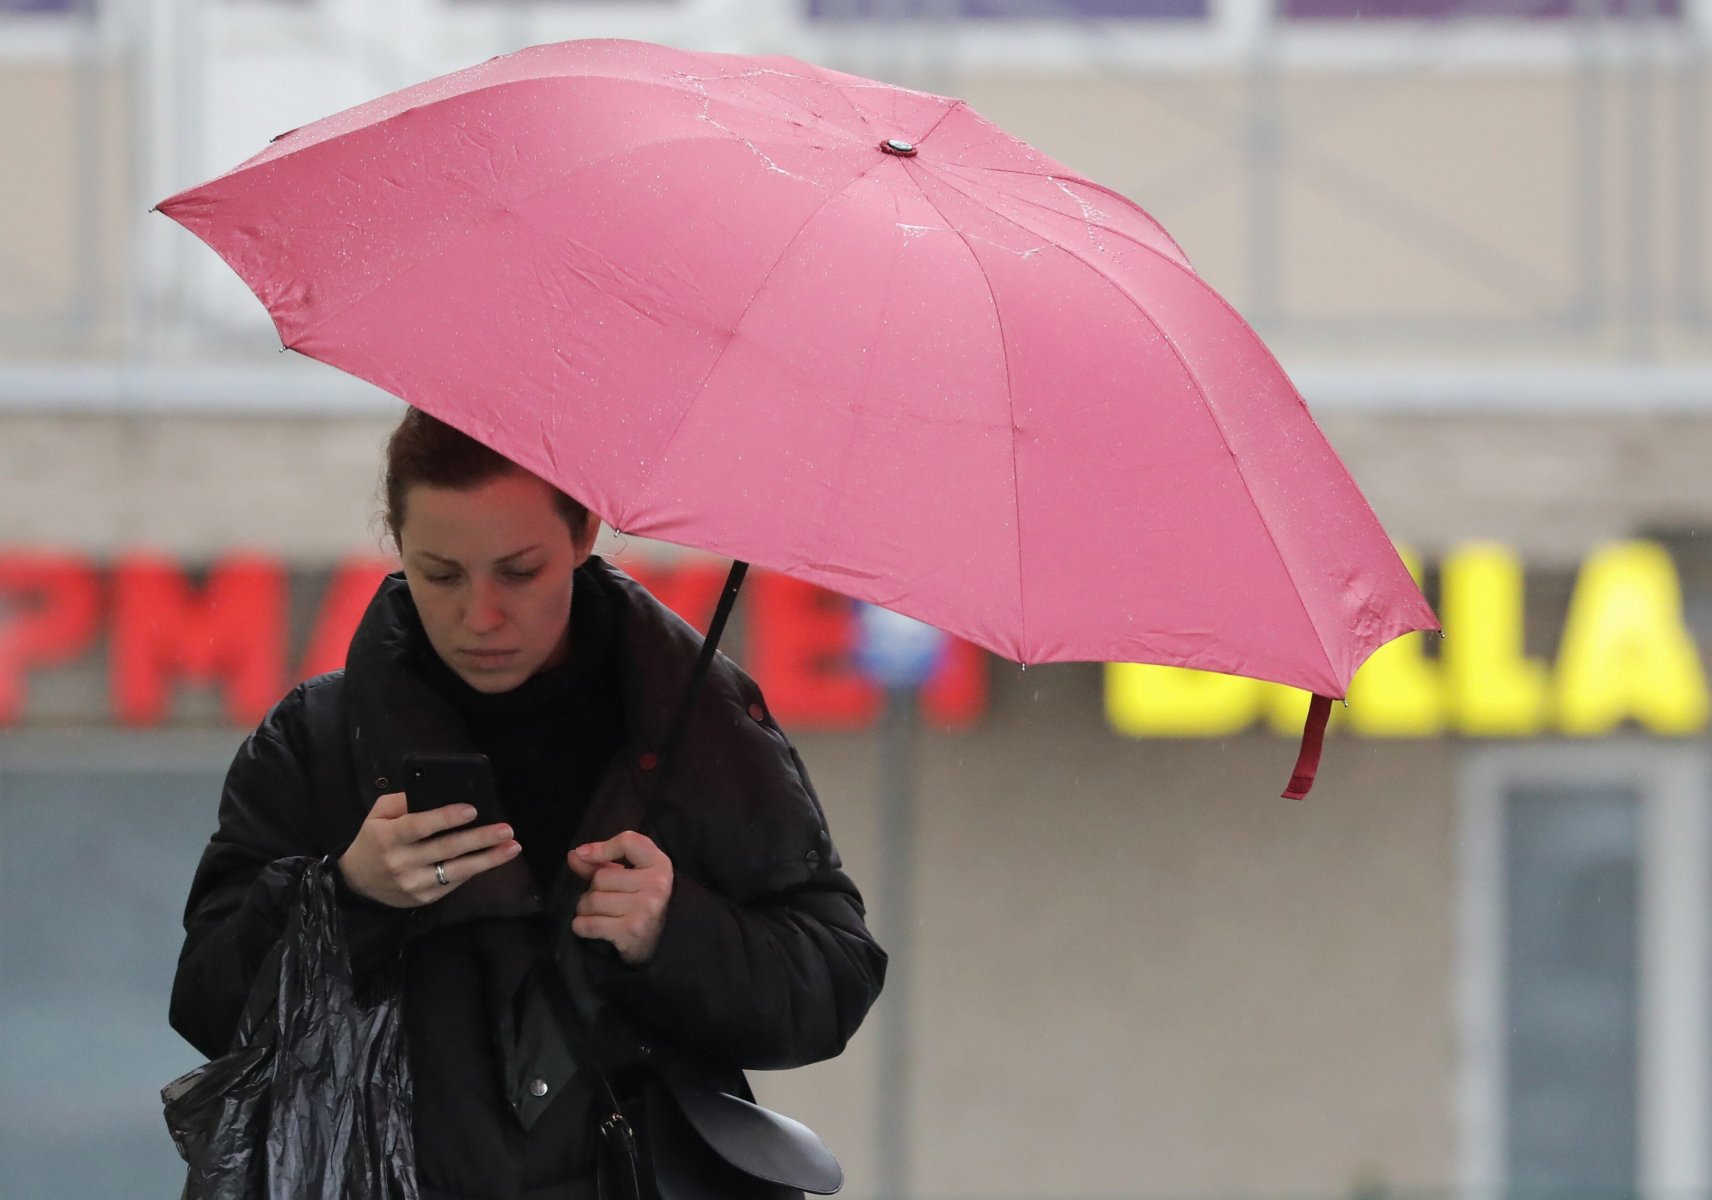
426 450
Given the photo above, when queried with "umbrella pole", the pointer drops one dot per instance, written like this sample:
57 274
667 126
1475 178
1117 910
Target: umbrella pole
893 1091
679 729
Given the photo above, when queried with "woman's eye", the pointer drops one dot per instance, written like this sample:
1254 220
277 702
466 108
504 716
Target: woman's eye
439 578
521 575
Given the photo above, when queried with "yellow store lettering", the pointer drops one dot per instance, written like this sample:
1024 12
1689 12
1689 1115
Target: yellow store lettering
1626 658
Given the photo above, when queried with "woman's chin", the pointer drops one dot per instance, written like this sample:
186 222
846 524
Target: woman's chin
492 678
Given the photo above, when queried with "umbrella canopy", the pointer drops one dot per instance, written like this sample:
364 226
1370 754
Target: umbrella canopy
840 329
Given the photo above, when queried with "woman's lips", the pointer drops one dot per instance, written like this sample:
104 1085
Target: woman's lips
488 656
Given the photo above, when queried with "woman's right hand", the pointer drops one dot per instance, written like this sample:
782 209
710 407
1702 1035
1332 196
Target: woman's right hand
393 857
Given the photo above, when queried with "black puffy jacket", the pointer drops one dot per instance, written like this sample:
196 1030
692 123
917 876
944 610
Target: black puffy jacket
764 961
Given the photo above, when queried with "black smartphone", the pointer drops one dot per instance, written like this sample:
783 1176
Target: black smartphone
434 780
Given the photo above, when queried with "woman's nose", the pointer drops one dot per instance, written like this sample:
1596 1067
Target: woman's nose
484 614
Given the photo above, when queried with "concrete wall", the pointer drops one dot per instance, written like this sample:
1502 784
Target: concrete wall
68 148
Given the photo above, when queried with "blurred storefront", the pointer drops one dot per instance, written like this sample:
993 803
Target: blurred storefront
1476 960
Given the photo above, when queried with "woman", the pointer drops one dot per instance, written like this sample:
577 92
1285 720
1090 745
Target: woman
726 933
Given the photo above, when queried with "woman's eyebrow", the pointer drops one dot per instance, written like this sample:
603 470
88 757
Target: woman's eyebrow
518 553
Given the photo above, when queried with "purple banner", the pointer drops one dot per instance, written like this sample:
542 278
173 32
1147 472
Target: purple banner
1485 10
999 10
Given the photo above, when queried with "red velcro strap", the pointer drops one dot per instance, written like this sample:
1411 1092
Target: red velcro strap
1313 736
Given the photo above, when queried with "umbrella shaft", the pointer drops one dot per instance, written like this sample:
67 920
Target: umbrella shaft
680 723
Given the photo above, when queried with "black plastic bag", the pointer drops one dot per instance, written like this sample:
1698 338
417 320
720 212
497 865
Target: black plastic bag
313 1101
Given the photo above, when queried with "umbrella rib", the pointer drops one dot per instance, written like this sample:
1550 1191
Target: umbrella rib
954 106
1010 399
510 203
1184 264
1206 400
842 93
701 384
745 103
676 83
861 394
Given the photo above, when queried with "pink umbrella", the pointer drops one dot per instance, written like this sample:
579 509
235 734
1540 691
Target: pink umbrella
840 329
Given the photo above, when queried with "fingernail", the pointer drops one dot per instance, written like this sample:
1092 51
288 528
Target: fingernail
514 847
584 851
506 831
467 812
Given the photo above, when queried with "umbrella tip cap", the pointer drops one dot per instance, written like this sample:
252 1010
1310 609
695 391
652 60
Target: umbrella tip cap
899 147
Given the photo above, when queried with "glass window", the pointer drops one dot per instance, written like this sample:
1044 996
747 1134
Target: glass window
1586 970
1570 993
94 869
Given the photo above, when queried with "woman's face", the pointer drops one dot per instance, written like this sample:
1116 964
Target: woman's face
490 571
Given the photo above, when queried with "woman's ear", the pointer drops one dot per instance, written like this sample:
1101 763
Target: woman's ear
583 543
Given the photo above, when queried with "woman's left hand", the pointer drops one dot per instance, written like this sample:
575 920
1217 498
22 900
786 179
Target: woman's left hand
630 882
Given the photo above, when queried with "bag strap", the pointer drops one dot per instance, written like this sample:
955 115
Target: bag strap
615 1128
571 1024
